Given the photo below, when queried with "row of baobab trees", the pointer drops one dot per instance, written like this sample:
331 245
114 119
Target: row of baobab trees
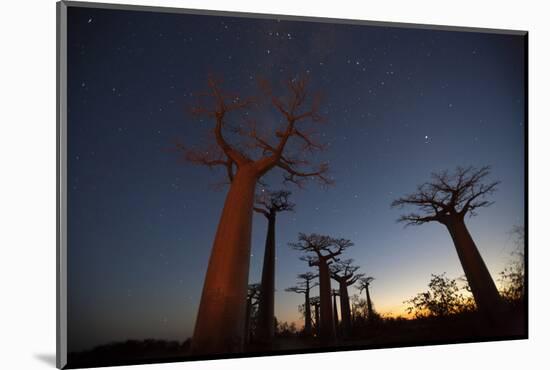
249 148
343 272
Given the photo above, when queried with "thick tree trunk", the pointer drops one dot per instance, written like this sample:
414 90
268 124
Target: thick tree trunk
345 309
221 317
307 309
335 309
267 292
327 320
481 283
369 305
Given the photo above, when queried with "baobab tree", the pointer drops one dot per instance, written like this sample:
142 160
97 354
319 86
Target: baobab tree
304 287
322 251
447 199
252 298
344 273
246 153
363 284
315 302
269 204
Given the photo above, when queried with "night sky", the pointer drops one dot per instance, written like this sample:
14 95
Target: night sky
398 103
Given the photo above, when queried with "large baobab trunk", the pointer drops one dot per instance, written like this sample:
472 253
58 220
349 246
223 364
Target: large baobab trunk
307 309
221 318
345 309
267 291
481 283
327 320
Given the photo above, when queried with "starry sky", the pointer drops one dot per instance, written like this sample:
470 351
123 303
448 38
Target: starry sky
398 104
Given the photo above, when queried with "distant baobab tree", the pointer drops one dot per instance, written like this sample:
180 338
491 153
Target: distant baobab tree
344 273
315 302
322 250
363 284
447 199
252 298
247 152
269 204
304 287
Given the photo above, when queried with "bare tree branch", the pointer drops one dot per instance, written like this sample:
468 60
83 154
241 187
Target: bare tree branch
297 108
448 196
344 272
320 247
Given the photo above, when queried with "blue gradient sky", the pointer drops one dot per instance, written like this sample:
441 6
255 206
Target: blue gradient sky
399 104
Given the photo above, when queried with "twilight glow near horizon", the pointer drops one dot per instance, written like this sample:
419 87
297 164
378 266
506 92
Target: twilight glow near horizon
398 103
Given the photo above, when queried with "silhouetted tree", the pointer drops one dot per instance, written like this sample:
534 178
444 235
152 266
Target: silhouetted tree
315 302
322 251
246 153
344 273
285 329
512 277
443 298
252 299
358 308
363 284
304 287
447 199
269 204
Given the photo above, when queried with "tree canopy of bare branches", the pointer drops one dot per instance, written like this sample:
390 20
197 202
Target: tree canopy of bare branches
239 139
448 195
344 271
447 198
364 282
305 284
320 247
269 203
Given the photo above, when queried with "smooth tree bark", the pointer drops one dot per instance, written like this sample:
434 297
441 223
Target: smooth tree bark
364 284
344 273
269 204
220 322
304 287
322 251
447 199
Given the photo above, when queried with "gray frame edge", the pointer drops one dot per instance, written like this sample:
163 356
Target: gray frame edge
223 13
61 186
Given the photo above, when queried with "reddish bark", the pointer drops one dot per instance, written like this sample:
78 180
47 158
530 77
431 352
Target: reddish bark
220 324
